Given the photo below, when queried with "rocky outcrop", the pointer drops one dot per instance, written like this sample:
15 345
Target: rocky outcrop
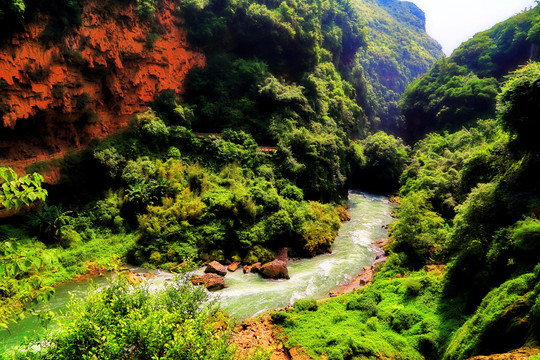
518 354
57 98
256 334
282 254
365 277
215 267
381 255
256 268
212 281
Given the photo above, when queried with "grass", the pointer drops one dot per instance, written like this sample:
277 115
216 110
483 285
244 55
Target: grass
399 318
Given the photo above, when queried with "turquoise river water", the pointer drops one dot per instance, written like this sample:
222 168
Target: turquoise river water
249 295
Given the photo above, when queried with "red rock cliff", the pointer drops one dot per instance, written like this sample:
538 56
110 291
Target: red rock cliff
57 98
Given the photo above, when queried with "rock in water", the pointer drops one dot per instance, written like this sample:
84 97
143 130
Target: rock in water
275 269
233 266
212 281
256 268
216 268
282 254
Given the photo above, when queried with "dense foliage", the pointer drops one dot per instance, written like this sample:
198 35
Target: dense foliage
160 193
459 90
29 269
398 52
469 201
258 154
122 321
17 191
394 318
463 275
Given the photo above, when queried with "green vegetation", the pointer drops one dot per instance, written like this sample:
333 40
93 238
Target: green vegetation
461 89
517 112
463 275
187 181
383 160
176 322
29 268
398 51
17 191
396 318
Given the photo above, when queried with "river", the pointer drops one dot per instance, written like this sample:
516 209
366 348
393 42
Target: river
249 295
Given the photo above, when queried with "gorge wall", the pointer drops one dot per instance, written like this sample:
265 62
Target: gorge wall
56 98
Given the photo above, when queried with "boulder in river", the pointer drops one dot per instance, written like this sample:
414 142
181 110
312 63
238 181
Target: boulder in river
256 268
282 254
216 268
233 266
275 269
212 281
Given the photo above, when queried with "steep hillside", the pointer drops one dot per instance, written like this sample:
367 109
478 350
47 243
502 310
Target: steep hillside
463 275
71 72
60 95
398 52
233 160
462 88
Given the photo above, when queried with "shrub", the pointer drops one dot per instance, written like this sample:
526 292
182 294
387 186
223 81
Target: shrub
279 317
17 191
146 8
176 322
82 101
292 192
366 303
306 305
412 285
405 318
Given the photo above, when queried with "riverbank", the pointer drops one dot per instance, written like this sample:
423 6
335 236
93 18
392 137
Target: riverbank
366 276
262 334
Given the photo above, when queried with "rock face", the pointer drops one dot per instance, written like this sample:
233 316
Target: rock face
254 334
57 98
255 268
212 281
381 255
216 268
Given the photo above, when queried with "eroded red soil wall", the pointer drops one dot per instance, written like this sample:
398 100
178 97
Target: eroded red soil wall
57 98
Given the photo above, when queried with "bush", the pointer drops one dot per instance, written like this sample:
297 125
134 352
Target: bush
279 317
175 322
405 318
385 159
518 106
306 305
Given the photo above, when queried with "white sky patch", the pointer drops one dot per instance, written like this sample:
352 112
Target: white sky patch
452 22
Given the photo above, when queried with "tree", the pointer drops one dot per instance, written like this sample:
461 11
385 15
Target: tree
386 157
51 223
519 106
16 191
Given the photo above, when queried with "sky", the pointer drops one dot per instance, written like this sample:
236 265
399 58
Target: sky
452 22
